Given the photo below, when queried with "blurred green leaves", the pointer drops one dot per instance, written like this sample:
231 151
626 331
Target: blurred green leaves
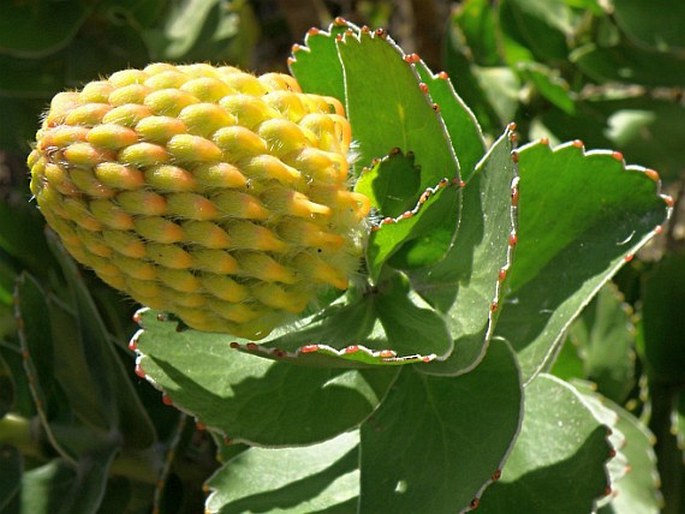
49 46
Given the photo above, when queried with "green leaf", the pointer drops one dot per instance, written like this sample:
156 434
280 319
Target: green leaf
22 115
349 333
549 84
44 487
35 29
663 323
464 131
418 237
465 285
11 468
658 25
630 64
141 14
8 275
21 79
387 325
198 30
315 478
101 49
382 90
502 88
605 338
617 465
459 63
477 22
580 216
90 481
23 401
392 184
540 26
646 130
119 402
21 236
410 324
637 491
316 66
38 350
561 443
248 398
436 442
59 488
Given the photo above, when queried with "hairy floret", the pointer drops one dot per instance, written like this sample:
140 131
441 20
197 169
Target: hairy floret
203 191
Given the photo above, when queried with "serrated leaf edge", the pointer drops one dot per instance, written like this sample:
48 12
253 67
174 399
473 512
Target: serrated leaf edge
383 356
651 174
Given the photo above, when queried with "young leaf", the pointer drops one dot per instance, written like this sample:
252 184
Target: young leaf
465 285
580 216
248 398
392 184
561 443
464 131
387 325
436 442
382 90
417 237
316 66
318 478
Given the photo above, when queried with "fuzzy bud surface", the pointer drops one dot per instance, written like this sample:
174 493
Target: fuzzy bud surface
207 192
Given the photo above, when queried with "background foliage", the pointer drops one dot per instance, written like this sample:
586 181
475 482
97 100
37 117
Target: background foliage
80 432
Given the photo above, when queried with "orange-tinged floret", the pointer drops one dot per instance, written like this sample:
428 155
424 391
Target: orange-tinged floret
208 192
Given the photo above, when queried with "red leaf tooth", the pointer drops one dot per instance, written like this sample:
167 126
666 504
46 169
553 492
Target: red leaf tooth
653 175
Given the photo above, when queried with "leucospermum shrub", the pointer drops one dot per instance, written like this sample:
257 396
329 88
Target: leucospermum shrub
227 200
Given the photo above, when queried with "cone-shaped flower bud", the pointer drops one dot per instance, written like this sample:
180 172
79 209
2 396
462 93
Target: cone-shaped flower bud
204 191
